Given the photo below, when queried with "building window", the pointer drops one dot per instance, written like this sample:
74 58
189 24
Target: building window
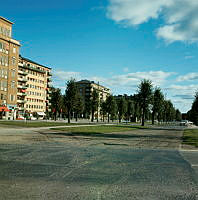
14 50
13 73
12 97
13 61
13 84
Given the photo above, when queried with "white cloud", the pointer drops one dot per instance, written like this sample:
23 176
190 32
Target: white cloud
66 75
126 80
183 89
188 57
129 80
180 16
188 77
182 95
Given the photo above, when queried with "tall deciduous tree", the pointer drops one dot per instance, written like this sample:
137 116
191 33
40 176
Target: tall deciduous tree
56 101
178 115
79 105
70 97
145 96
193 113
103 110
158 99
122 108
94 101
114 109
130 110
110 106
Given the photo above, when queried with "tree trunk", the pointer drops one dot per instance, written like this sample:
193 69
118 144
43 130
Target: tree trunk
108 117
55 116
69 116
119 119
76 117
143 116
92 115
153 118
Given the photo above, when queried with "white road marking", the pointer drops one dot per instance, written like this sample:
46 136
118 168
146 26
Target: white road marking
196 165
186 150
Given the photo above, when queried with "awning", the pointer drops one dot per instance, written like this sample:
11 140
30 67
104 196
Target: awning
41 113
4 108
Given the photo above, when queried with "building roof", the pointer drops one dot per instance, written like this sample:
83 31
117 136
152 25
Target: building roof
91 82
28 60
6 20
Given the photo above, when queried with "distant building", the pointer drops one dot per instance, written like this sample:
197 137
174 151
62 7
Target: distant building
24 84
86 88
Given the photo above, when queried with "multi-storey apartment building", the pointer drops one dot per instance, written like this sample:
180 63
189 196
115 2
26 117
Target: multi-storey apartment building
9 54
24 84
33 89
86 88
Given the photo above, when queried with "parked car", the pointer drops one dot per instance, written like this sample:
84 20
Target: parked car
186 123
33 118
20 118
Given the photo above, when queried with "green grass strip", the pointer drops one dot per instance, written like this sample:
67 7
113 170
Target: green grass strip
190 137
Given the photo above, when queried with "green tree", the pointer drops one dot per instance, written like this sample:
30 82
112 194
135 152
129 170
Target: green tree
178 115
110 106
158 99
56 101
145 96
70 98
87 106
130 110
114 110
122 108
168 111
137 108
94 101
103 109
79 106
193 113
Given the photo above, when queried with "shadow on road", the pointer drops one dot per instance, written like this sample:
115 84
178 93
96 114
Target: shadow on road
116 135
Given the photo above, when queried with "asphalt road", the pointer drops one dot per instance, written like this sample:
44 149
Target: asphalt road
143 164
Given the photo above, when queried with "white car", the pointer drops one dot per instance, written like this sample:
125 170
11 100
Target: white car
32 117
186 123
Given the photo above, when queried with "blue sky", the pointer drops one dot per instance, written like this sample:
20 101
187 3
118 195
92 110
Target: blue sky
115 42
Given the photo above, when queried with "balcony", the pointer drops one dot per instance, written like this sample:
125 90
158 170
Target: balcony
49 79
21 94
33 69
49 91
49 104
22 79
22 72
49 98
22 86
21 101
49 84
49 73
20 64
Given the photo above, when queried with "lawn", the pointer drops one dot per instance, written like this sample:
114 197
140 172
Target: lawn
34 124
190 137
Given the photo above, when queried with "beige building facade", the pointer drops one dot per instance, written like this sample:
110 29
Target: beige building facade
86 88
24 84
33 89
